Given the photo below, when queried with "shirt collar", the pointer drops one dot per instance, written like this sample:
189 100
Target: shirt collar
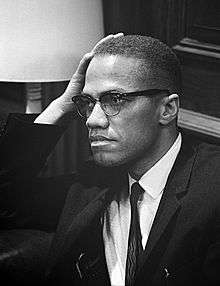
154 180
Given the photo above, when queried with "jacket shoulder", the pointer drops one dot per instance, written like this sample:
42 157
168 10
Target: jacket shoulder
205 175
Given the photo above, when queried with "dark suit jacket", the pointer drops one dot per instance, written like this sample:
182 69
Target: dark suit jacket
184 243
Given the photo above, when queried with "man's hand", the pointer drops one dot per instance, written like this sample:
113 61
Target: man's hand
64 105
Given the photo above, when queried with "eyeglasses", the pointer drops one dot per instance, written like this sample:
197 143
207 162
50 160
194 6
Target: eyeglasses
110 102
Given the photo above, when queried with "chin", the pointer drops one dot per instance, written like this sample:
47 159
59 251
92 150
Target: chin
107 160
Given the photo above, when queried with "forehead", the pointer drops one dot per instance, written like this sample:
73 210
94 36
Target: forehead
112 72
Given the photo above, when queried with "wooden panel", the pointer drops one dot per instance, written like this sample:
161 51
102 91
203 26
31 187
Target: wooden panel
204 21
201 86
136 17
194 34
199 123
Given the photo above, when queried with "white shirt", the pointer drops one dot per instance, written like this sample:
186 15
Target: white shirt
117 218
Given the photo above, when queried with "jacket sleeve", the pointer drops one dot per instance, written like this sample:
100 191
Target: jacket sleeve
24 148
24 142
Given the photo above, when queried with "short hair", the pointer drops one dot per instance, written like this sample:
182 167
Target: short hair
159 61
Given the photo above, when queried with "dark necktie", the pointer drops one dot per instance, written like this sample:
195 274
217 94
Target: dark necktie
134 240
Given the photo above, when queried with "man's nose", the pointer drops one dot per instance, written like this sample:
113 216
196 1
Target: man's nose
98 118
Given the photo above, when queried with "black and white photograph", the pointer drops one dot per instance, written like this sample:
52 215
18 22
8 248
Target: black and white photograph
110 142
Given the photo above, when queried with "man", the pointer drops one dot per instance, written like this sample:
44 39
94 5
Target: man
146 210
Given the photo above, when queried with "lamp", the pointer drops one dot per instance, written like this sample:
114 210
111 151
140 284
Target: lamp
43 40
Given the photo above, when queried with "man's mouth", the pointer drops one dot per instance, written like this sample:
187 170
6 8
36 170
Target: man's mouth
99 140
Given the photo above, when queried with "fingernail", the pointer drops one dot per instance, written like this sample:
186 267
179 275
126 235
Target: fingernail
119 34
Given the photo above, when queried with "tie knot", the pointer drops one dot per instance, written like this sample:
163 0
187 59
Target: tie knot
136 193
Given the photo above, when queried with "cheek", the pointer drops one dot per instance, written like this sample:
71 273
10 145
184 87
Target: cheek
135 139
138 133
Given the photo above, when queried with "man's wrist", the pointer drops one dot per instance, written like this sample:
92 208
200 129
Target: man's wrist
53 114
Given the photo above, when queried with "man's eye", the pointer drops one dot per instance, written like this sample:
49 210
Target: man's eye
86 100
116 98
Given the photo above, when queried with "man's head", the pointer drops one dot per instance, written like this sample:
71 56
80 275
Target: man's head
141 132
157 62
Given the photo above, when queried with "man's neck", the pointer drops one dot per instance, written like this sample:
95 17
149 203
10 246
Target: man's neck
142 165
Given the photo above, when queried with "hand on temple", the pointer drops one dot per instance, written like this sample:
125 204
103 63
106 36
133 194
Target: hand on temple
64 105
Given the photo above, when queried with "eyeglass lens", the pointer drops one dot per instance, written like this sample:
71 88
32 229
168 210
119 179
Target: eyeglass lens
110 104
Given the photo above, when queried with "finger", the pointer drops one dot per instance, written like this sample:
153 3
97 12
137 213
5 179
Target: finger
111 36
83 65
118 35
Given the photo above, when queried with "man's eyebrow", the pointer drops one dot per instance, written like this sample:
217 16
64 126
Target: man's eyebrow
104 92
110 91
84 93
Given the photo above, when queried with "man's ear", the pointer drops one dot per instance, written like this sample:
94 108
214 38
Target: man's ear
169 109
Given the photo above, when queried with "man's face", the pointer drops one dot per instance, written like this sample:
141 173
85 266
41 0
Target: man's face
132 134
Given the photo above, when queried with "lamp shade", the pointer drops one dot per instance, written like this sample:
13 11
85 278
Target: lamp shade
43 40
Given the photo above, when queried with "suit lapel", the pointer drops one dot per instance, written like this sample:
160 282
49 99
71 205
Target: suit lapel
91 263
170 203
81 207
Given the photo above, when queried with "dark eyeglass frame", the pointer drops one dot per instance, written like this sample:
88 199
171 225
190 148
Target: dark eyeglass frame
119 95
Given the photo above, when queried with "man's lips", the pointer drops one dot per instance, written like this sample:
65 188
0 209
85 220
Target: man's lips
99 138
100 141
